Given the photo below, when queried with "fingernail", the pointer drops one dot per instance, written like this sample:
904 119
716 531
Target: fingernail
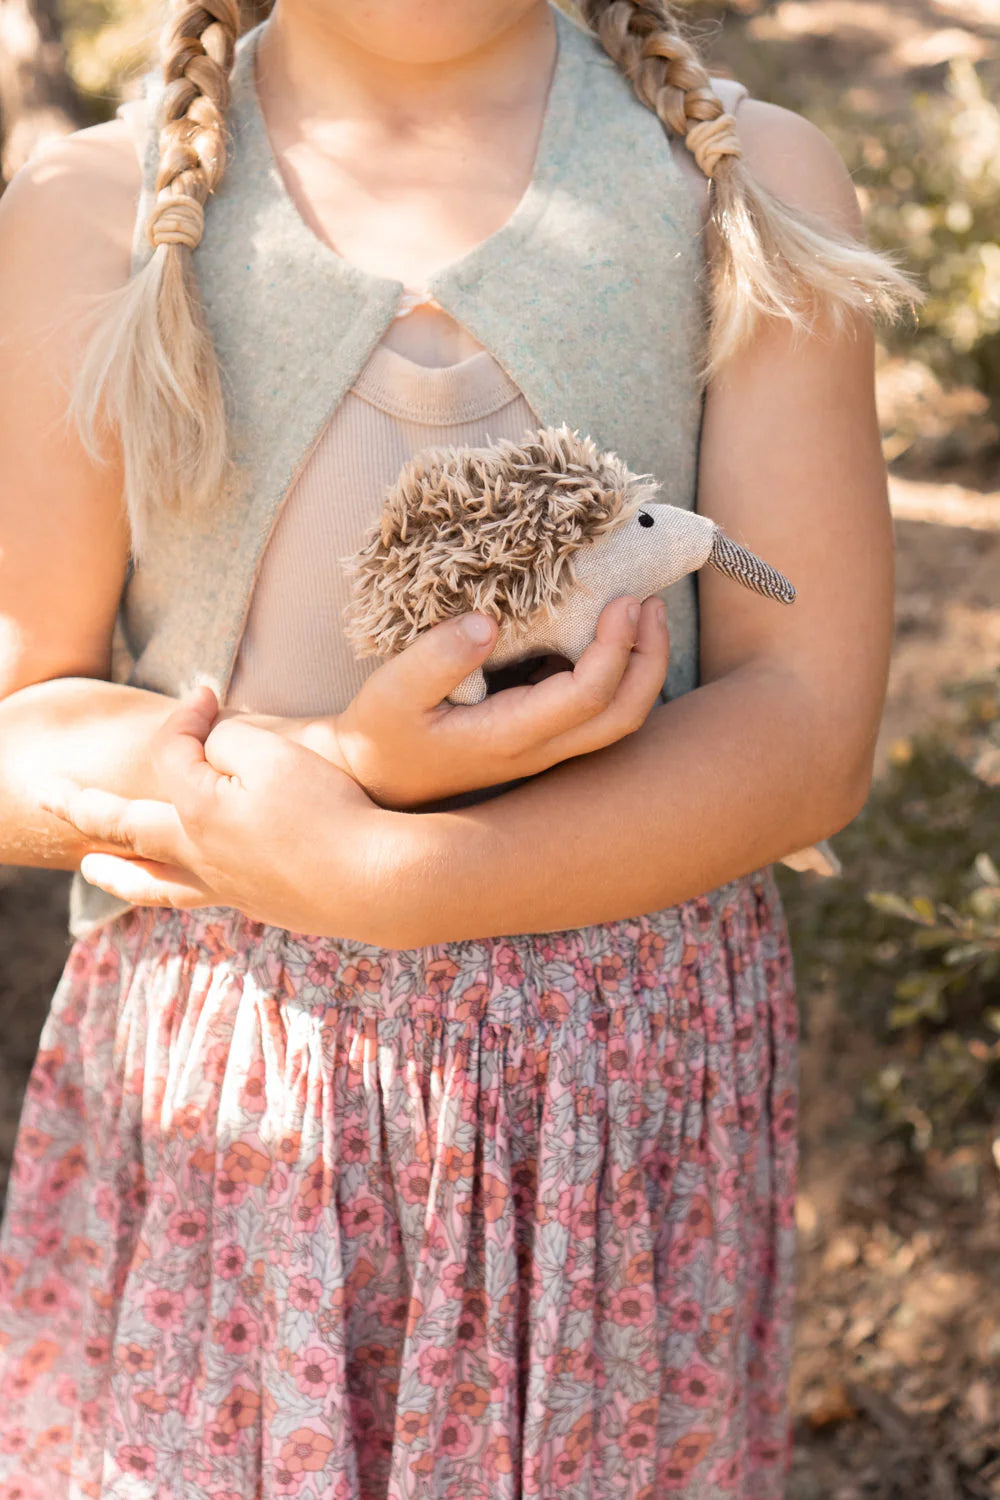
633 613
477 629
661 613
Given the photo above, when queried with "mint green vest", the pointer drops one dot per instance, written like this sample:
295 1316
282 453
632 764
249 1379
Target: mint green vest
590 297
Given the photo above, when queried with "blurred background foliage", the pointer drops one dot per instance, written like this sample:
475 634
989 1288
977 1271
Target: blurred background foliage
108 45
932 185
916 117
912 942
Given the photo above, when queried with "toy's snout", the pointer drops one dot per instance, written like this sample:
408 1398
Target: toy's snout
677 542
747 568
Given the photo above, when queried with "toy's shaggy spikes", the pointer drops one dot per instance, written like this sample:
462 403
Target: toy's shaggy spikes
492 529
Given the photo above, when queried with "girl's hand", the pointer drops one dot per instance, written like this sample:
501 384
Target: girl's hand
406 746
238 831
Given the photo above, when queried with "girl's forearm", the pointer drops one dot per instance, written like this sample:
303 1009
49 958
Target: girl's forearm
79 729
90 732
96 734
714 785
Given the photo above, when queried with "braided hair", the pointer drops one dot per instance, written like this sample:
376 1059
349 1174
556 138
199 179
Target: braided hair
150 374
768 260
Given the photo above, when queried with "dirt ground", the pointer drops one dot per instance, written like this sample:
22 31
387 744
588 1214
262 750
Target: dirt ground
896 1386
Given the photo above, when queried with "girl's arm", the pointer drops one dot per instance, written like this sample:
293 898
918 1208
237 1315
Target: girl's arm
71 729
65 236
65 229
775 749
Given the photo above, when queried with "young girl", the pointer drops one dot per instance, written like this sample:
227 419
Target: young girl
391 1136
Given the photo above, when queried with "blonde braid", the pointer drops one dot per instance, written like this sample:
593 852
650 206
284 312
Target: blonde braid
150 372
198 47
769 260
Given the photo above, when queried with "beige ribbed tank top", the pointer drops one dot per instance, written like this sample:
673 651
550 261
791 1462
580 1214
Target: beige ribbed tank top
293 658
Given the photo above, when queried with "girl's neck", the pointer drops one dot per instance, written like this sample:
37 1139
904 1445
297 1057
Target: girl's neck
314 68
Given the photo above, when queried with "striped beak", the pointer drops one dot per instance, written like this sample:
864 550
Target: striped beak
747 568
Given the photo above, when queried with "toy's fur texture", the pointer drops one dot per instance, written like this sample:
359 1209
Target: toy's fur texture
493 529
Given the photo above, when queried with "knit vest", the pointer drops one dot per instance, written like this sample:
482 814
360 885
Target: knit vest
590 297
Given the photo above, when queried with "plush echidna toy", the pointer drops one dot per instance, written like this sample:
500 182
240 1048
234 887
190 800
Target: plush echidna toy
541 535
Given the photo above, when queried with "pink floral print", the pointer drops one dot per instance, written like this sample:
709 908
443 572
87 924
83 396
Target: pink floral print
299 1217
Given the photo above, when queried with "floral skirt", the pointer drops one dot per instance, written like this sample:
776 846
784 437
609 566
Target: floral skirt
293 1216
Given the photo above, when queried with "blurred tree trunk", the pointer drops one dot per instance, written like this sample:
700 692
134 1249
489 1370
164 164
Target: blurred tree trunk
37 98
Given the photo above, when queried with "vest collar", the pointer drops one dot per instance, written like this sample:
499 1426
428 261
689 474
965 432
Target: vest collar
574 47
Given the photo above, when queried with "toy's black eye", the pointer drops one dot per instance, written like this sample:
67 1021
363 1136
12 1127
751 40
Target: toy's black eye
645 519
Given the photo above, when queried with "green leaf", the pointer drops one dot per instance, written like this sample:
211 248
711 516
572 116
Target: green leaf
933 937
893 905
985 904
923 986
965 953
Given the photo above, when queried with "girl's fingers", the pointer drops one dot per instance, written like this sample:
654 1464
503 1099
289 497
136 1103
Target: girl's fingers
203 761
567 701
56 795
145 882
423 675
178 750
191 720
239 752
637 693
150 829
